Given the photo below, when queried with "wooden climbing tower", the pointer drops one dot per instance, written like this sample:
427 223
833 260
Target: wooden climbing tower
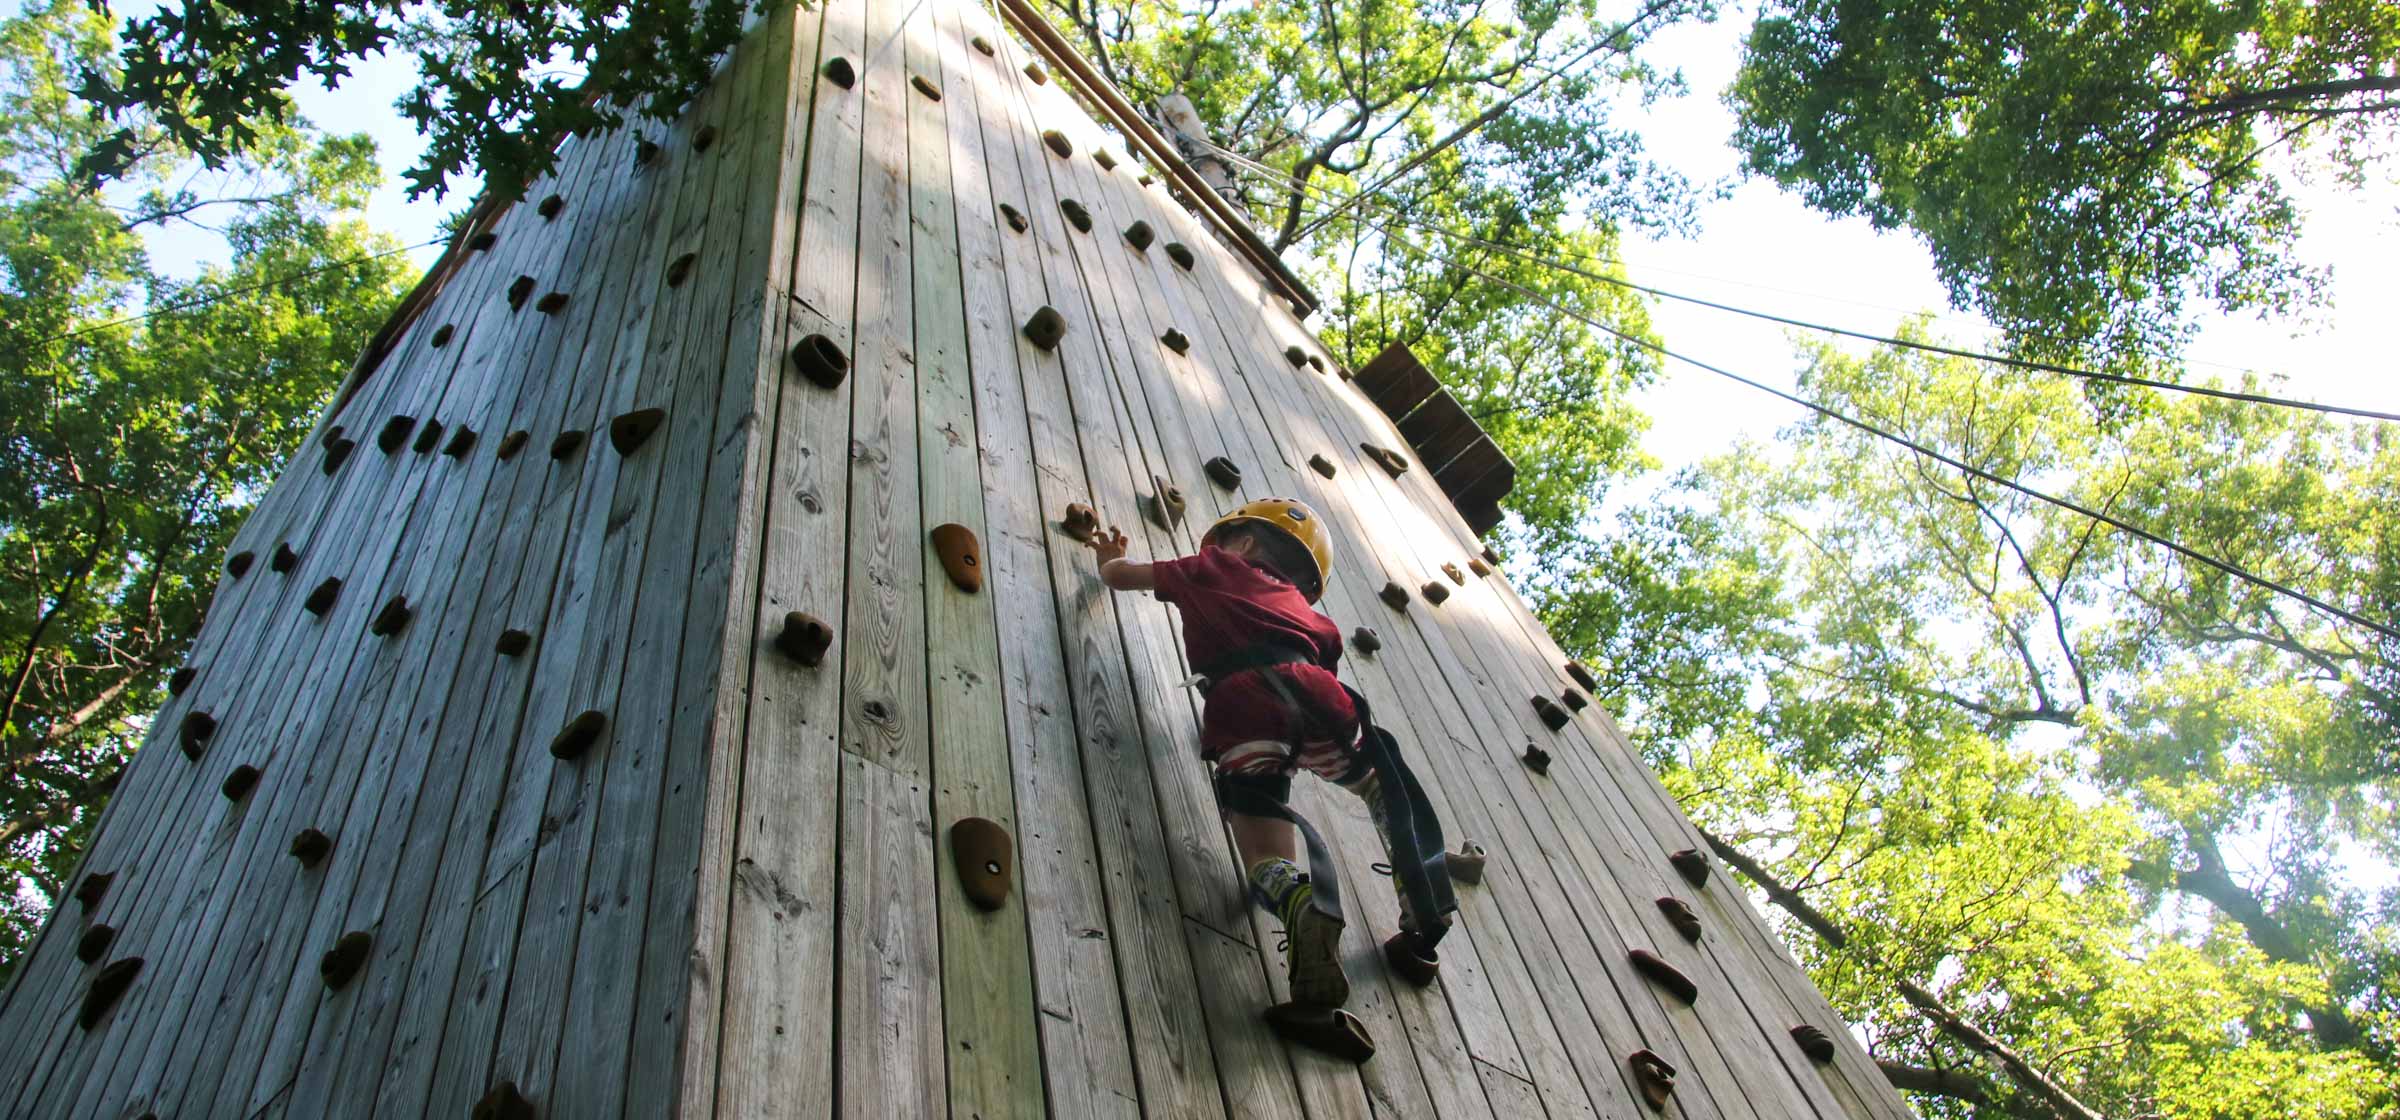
583 723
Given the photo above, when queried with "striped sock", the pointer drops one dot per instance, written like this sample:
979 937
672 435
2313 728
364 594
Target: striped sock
1280 887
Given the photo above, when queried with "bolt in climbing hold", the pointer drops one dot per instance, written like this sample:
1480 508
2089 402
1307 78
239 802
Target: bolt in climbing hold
839 71
284 559
550 207
441 335
566 443
1656 1077
1014 217
1177 341
981 44
194 732
1366 640
551 304
1077 216
462 440
429 436
1583 676
483 242
512 443
1058 143
93 945
1102 157
1296 356
1553 716
578 736
503 1102
961 556
820 361
239 783
1679 913
513 643
627 433
1536 759
679 268
1221 471
804 638
702 139
1046 328
519 290
395 433
1466 864
1081 521
984 856
1664 975
1139 235
393 616
1455 575
1395 596
320 599
644 151
1435 594
238 564
338 451
1573 700
1692 864
1814 1042
1166 502
925 86
1391 461
1181 254
310 846
180 679
342 962
1034 71
107 985
93 888
1321 465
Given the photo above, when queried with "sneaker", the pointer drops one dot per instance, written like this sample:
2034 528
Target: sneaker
1313 949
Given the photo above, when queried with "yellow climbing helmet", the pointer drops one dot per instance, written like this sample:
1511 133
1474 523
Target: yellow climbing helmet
1292 517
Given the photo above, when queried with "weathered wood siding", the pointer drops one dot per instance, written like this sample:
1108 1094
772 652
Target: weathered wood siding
740 900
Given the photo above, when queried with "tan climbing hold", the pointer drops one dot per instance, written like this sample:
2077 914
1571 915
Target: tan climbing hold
804 638
1466 864
341 963
1455 575
1034 71
1046 328
1477 566
1081 521
961 555
629 432
985 858
579 736
1106 160
820 361
981 44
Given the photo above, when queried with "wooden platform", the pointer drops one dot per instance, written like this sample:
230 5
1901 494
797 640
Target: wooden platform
739 900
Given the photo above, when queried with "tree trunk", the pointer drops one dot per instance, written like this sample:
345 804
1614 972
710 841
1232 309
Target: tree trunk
2210 880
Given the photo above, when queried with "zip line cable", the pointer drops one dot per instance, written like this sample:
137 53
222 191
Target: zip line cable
1343 202
2389 632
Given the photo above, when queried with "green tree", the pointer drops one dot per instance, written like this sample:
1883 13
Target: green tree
134 449
2083 174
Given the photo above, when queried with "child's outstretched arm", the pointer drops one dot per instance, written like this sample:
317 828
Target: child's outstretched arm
1115 570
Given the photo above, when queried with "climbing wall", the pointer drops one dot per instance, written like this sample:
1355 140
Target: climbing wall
582 726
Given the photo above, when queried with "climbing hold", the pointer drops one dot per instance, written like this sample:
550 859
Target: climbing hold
284 559
983 853
1046 328
1328 1030
1166 502
1656 1077
1296 356
981 44
1014 217
1181 254
513 642
627 433
704 137
1139 235
93 888
1144 180
1679 914
679 268
441 335
1553 716
395 433
338 451
1391 461
310 846
462 441
566 443
1316 363
180 679
1177 341
1081 521
1573 700
550 207
238 564
1814 1042
391 618
1221 471
428 437
193 733
551 304
1536 759
644 151
1476 565
804 638
482 242
1102 157
1034 71
1466 864
820 361
1435 594
512 443
503 1102
93 945
961 556
239 783
1058 143
1455 575
1077 216
1692 864
1366 640
925 86
519 290
1664 975
1395 596
1419 965
343 961
1583 676
1490 556
839 71
1321 465
109 984
320 599
577 737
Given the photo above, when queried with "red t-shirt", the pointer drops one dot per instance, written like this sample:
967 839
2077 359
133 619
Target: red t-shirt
1230 605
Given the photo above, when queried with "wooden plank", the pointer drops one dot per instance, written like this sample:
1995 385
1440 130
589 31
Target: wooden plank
1396 381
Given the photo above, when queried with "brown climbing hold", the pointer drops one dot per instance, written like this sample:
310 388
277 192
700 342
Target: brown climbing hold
1536 759
462 441
679 268
1656 1077
1046 328
93 888
1393 463
1664 975
320 598
1327 1030
1296 356
1102 157
512 443
1692 864
566 443
704 138
503 1102
925 86
482 242
395 433
194 732
627 433
961 556
1435 594
1181 254
1166 502
513 643
429 437
441 335
284 559
550 207
239 783
1014 217
310 846
1139 235
1583 676
238 564
1574 700
1814 1042
1455 575
820 361
578 736
1177 341
93 945
1081 521
1058 143
1077 216
804 638
1316 363
107 986
1553 716
1321 465
1679 913
1366 640
981 44
1491 556
551 304
1476 565
338 452
1395 596
1144 180
342 962
519 290
180 679
984 856
1034 71
1466 864
391 618
1221 471
839 71
1419 966
644 151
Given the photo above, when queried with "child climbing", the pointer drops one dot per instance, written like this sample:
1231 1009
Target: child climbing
1265 659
